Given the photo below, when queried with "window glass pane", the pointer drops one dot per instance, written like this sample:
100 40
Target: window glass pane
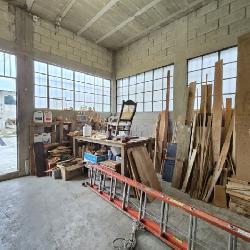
194 64
7 84
98 81
158 73
119 83
157 95
125 91
89 79
119 100
106 91
55 82
148 97
148 106
79 97
79 76
79 105
79 86
132 89
166 69
229 86
68 104
55 71
40 79
139 107
89 97
210 60
139 97
55 93
132 97
68 84
229 55
132 80
68 95
140 78
68 74
157 84
148 86
125 82
40 102
210 74
157 106
55 104
98 99
13 65
98 107
106 99
40 91
106 83
140 87
41 67
98 90
89 88
230 70
106 108
149 75
194 76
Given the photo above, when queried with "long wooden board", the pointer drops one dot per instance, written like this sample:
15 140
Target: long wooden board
190 103
221 161
242 109
217 110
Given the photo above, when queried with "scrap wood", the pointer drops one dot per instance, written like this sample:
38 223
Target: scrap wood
178 169
189 169
190 103
157 146
227 117
144 166
217 110
220 162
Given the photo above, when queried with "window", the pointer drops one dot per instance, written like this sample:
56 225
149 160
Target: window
148 89
204 65
61 88
9 100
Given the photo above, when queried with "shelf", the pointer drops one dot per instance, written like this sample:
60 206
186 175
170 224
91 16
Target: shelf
50 145
45 124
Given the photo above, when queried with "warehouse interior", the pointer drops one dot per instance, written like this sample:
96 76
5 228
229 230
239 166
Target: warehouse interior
124 124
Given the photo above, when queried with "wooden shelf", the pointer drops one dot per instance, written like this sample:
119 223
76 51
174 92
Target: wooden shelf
44 124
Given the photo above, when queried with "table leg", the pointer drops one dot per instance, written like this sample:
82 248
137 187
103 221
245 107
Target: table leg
75 147
124 161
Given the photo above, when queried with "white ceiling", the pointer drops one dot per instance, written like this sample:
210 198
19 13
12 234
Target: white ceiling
110 23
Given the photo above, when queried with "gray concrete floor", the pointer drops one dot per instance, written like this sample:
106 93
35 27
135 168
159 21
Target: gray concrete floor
43 213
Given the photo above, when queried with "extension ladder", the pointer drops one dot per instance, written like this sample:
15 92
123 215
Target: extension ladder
98 175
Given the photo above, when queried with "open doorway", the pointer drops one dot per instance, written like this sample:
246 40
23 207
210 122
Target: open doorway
8 130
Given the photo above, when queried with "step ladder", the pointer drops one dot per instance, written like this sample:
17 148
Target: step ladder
99 178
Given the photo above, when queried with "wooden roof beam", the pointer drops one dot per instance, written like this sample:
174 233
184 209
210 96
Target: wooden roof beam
29 4
106 8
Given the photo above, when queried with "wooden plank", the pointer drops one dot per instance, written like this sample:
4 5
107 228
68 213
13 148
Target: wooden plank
176 179
189 170
217 110
238 195
238 181
220 162
228 116
209 97
242 110
190 104
192 136
144 167
220 199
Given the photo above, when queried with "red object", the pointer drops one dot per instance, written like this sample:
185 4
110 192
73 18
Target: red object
154 227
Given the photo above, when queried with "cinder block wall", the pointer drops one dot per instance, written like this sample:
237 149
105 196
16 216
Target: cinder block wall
29 41
210 28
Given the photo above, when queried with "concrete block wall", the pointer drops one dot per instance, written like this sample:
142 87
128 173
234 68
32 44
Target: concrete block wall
67 45
215 26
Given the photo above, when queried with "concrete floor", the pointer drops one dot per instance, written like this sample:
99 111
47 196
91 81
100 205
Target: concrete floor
43 213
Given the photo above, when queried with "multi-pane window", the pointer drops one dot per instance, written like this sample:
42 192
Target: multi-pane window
204 66
61 88
148 89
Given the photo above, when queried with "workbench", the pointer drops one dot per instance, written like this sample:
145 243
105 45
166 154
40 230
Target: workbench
124 146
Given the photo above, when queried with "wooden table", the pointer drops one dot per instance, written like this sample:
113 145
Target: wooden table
123 146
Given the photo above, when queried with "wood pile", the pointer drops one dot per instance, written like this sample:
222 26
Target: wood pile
209 160
239 192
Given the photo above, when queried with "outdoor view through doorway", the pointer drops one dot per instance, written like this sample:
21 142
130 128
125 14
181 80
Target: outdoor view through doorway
8 132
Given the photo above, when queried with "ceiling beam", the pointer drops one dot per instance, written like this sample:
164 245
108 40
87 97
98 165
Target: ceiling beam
106 8
29 4
130 19
66 8
165 21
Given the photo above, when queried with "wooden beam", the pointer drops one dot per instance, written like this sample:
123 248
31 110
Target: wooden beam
99 14
66 8
196 4
217 110
29 4
130 19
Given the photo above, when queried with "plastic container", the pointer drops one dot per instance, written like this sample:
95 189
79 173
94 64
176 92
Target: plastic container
47 116
86 130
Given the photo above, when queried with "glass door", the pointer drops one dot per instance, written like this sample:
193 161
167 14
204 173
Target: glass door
8 130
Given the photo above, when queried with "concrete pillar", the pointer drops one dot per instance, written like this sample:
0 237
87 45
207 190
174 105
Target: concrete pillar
25 84
113 86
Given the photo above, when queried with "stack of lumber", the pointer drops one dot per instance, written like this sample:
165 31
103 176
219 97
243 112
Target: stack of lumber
59 151
141 168
239 192
209 159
